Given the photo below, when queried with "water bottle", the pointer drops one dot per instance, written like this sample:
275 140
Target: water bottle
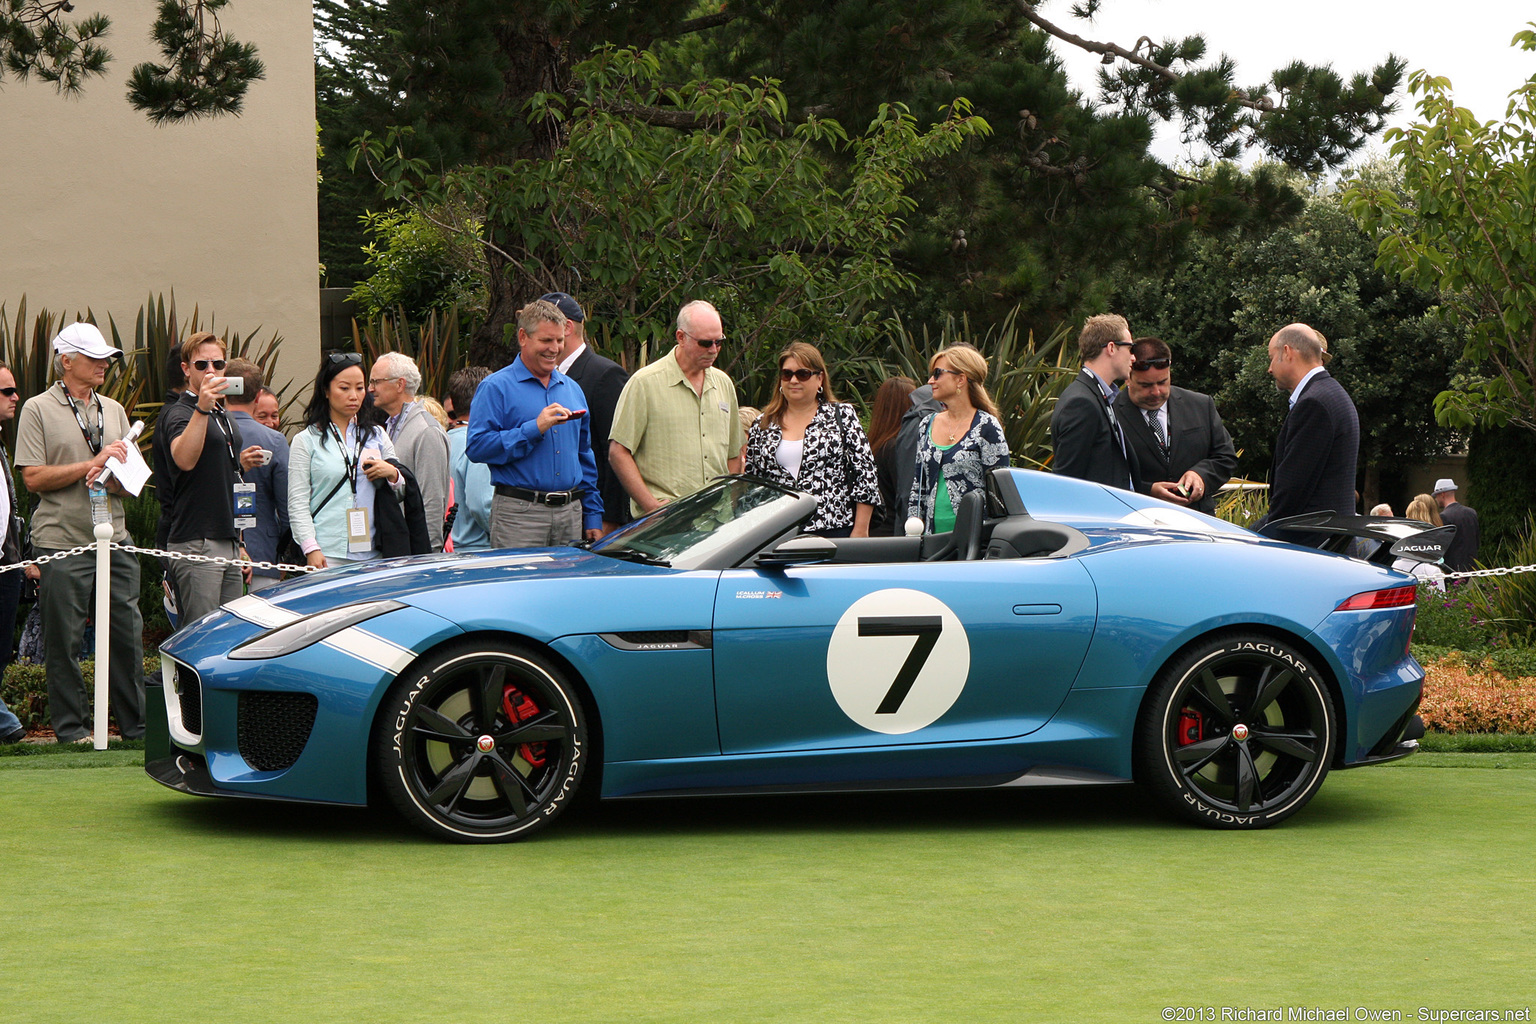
101 512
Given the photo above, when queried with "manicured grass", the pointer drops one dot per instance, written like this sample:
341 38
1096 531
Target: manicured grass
1398 887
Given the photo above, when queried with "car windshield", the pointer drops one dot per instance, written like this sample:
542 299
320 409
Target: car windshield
692 531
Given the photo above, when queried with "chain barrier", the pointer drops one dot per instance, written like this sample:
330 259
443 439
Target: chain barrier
174 556
1503 570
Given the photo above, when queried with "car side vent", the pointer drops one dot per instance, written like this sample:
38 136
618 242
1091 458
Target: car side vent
274 728
189 693
659 640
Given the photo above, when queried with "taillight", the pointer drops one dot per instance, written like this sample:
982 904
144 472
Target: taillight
1395 597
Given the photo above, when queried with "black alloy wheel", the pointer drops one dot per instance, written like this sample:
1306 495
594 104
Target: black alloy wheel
482 743
1237 732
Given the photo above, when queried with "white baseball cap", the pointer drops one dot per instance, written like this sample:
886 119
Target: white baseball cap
84 339
1444 484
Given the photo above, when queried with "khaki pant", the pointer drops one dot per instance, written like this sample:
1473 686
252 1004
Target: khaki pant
516 523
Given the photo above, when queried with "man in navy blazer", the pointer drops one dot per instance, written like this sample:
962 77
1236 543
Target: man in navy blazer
1319 441
1087 439
1183 451
602 380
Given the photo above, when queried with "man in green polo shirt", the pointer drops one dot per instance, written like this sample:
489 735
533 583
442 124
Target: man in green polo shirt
676 426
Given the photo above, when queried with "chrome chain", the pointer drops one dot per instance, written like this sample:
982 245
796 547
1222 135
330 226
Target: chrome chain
85 549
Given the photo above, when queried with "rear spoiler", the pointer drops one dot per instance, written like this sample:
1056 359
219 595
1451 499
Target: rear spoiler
1392 538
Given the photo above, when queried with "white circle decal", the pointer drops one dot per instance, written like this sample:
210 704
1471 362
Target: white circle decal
898 660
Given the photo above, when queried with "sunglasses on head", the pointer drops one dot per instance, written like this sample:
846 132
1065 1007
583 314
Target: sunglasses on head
346 358
1160 363
801 375
203 364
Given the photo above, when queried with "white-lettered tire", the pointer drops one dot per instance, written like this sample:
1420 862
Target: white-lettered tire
1238 732
482 743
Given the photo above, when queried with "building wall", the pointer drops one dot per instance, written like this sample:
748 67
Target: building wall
101 208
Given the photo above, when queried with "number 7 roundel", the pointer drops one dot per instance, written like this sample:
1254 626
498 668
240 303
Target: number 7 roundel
898 660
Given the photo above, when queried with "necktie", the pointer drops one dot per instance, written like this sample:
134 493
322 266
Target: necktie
1157 430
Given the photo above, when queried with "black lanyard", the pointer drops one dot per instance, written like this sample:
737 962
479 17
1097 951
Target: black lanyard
351 463
92 441
218 415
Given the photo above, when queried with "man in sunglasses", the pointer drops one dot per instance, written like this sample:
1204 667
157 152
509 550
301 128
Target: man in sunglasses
676 426
1088 441
1182 449
64 437
205 497
13 535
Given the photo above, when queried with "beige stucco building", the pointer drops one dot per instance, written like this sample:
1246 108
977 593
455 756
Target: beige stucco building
102 208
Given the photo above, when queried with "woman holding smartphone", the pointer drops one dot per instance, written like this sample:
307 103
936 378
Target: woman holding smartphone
335 464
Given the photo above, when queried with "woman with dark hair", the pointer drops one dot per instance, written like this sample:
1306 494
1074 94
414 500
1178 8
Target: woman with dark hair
335 464
892 400
956 448
808 440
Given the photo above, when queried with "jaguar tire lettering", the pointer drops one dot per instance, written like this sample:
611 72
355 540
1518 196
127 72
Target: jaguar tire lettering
461 767
1236 732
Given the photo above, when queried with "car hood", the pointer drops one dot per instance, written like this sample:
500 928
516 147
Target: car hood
401 578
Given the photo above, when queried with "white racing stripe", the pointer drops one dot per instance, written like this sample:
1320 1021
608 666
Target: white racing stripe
354 641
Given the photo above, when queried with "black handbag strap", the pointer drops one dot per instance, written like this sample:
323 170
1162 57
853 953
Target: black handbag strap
315 509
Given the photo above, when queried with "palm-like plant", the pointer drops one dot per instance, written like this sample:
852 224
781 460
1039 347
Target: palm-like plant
1023 378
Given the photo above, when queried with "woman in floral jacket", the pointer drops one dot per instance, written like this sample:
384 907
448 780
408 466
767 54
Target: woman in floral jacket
808 440
958 447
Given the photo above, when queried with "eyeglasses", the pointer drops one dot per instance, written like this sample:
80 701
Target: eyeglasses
345 358
800 375
1160 363
939 372
708 342
203 364
381 380
8 392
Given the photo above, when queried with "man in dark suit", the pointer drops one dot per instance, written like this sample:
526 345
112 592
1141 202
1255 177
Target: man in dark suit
1085 434
1461 556
1183 451
602 380
1319 441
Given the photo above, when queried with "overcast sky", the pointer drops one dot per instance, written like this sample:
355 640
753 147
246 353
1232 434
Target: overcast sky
1467 42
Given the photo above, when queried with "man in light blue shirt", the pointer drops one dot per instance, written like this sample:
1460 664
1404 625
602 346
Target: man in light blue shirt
472 487
529 424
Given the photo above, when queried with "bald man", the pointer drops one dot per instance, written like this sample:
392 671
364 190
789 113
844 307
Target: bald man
1319 441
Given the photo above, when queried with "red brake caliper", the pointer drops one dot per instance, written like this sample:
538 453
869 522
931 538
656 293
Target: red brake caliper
519 708
1191 727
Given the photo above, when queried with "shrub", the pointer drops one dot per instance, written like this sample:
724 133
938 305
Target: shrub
1508 603
25 689
1449 619
1458 698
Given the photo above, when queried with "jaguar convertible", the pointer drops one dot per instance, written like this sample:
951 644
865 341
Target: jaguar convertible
1063 634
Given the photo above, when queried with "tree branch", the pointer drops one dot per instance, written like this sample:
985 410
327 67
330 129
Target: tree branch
1110 51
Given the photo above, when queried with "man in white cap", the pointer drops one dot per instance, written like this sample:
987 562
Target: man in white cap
64 437
1462 554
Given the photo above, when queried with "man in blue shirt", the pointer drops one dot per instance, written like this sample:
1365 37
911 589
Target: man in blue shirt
472 487
270 478
529 424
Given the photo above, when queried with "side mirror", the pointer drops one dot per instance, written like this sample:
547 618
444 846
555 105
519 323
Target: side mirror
800 551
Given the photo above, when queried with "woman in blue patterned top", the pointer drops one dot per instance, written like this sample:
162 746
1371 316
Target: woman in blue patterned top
808 440
956 448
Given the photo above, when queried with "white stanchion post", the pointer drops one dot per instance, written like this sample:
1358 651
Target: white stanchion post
103 634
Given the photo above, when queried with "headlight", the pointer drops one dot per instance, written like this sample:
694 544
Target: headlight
299 634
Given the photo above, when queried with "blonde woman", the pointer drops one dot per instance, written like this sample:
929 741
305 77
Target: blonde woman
1425 510
958 447
808 440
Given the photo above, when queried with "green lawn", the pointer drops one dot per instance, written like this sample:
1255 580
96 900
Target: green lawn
1399 887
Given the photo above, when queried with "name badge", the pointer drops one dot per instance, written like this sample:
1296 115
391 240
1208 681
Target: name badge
359 535
245 506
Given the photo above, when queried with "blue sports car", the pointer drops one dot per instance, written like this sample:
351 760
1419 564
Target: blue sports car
1063 634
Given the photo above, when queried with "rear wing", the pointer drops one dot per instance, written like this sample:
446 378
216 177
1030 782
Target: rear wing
1384 539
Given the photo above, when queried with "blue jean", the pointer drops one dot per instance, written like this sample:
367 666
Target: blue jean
10 593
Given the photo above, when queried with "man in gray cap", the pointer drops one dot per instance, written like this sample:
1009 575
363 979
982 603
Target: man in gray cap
602 381
1462 554
64 438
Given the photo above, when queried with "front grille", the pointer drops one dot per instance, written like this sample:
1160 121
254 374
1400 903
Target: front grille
189 693
274 728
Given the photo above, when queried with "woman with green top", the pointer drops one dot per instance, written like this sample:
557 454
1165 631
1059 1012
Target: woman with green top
958 447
